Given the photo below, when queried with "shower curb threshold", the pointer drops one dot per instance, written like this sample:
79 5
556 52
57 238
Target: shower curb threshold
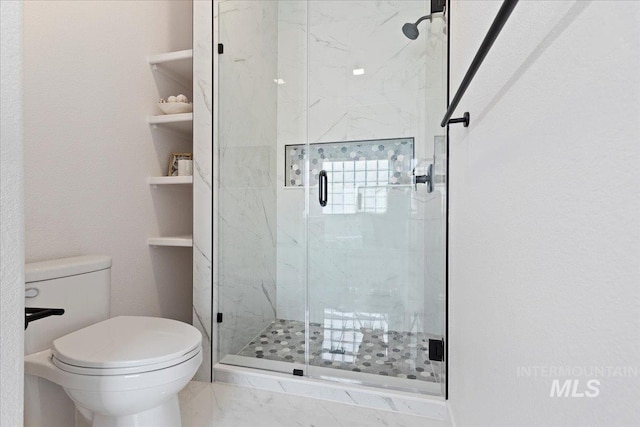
352 394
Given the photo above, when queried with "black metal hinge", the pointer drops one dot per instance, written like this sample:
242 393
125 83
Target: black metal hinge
298 372
220 48
219 318
436 350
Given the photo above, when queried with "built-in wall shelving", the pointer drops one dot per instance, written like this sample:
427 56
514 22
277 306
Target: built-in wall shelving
182 123
177 66
170 180
185 241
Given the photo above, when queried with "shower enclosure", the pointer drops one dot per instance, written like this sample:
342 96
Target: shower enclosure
331 190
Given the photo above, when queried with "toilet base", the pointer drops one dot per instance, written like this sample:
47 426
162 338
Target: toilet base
119 400
167 414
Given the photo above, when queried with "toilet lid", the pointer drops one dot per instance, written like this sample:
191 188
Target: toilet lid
127 341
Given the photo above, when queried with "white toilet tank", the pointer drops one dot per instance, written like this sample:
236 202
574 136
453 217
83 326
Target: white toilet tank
81 286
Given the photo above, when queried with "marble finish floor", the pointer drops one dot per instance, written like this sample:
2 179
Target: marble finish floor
369 350
227 405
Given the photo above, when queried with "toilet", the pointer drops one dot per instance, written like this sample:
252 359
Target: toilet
86 369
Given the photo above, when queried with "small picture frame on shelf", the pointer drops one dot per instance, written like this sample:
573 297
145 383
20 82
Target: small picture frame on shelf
173 162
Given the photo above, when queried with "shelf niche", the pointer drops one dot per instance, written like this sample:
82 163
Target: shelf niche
172 241
178 66
170 180
180 123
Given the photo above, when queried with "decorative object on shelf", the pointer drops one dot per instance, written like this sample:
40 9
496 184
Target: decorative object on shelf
176 105
185 167
173 162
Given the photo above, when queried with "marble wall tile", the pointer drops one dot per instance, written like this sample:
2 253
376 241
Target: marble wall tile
369 263
291 254
246 186
215 300
271 75
202 179
435 244
362 262
397 402
292 129
229 405
434 264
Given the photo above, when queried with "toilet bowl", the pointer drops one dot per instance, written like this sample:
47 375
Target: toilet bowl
124 371
85 369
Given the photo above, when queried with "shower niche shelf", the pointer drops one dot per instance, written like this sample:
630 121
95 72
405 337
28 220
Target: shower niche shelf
170 180
174 241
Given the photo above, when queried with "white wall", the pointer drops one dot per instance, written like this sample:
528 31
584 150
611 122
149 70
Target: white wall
11 216
545 213
89 150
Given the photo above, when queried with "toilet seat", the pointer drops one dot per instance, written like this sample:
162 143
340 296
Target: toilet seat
126 345
80 370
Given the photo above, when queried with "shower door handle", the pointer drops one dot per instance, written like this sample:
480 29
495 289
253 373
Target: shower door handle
323 188
424 179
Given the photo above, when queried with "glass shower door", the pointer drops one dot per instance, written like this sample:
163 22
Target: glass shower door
260 270
330 260
375 239
371 309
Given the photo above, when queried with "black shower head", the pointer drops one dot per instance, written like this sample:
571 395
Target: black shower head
411 30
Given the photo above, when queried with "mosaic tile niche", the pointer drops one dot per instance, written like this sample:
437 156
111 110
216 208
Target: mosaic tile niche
375 162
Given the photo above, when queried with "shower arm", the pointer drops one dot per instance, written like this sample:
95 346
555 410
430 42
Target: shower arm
423 18
430 17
